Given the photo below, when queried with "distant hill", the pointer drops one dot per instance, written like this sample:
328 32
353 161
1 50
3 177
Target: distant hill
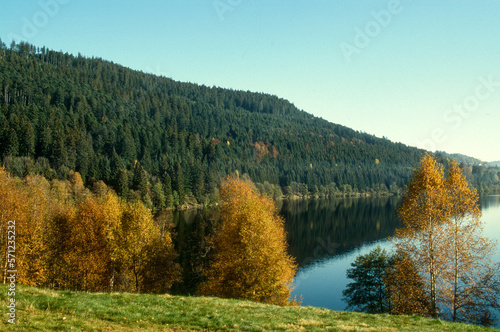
463 159
494 163
172 142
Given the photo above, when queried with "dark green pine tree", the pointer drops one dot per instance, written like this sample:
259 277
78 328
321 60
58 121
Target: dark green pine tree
104 169
367 293
159 201
127 145
11 143
122 187
167 190
59 153
140 181
179 186
116 166
28 140
45 142
197 180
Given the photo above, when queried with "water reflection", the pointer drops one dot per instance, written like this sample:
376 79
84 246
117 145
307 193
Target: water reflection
325 236
488 202
321 229
321 281
193 240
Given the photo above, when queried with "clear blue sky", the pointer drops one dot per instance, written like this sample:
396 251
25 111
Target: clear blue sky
422 72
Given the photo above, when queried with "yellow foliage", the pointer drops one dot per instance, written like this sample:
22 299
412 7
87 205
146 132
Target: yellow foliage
405 288
441 236
13 207
250 261
423 211
89 257
67 237
34 270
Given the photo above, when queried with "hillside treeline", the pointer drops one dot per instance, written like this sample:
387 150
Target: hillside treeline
60 112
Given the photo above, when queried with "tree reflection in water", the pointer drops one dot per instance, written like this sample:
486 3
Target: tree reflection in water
322 229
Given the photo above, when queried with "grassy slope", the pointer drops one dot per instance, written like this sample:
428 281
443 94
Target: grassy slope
48 310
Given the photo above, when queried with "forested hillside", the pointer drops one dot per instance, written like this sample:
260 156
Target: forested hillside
169 142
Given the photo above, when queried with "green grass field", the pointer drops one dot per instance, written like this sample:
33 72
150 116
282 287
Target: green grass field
48 310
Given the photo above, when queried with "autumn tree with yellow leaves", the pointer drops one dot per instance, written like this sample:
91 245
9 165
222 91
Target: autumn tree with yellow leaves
250 259
423 212
404 287
67 237
442 237
471 281
13 207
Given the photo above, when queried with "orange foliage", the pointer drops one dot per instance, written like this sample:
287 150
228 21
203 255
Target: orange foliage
66 237
251 261
261 150
423 211
13 207
405 288
89 257
441 236
275 152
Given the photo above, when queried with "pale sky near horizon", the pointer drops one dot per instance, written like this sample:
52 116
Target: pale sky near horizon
425 72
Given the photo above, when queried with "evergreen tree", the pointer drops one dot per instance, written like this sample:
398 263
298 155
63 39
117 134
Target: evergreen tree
122 186
11 143
179 183
28 140
159 201
367 292
167 190
140 180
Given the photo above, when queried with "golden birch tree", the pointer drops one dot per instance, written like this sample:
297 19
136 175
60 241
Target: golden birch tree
442 237
468 290
14 214
89 256
139 231
405 287
250 260
112 208
40 202
423 212
160 270
59 231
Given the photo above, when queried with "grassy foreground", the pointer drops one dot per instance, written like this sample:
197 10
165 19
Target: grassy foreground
48 310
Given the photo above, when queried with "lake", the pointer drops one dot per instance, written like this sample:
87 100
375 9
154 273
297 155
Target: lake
324 236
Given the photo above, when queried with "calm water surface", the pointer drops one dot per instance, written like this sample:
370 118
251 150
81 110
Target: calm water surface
326 237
